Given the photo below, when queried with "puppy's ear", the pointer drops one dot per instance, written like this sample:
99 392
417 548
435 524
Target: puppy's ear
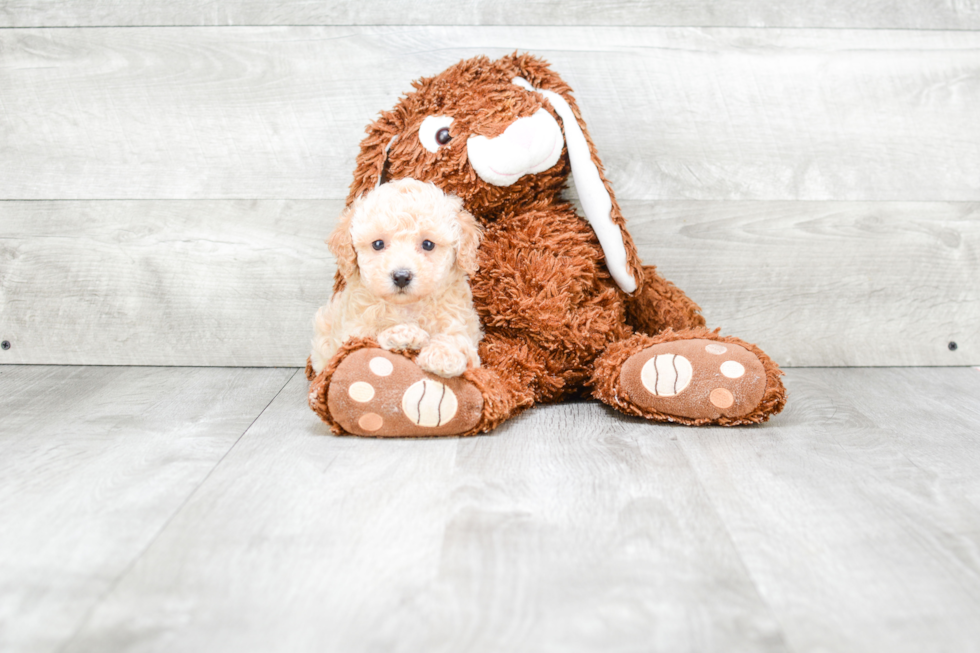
341 245
467 249
594 190
373 158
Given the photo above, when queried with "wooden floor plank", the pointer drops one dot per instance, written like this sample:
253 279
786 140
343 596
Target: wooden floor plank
858 511
935 14
849 522
237 283
93 462
676 113
571 529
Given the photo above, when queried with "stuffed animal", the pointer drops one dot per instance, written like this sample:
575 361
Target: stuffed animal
567 308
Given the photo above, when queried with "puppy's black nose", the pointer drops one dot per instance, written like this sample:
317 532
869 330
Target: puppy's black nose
401 278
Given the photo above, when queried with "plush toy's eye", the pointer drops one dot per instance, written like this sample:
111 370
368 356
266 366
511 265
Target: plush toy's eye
378 244
434 132
428 245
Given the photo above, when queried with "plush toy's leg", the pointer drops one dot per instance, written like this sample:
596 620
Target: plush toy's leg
660 305
692 376
365 390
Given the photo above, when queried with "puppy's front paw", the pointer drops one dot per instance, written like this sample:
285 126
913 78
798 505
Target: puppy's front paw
442 359
403 336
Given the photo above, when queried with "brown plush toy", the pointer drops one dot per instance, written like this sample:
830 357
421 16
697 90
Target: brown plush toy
567 308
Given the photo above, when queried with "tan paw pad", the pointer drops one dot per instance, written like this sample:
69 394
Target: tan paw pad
666 375
721 398
371 421
381 366
429 403
732 369
361 392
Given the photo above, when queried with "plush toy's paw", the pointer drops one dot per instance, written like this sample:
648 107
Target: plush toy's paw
374 392
695 379
443 359
403 336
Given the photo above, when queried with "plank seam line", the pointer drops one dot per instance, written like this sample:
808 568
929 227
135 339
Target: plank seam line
227 367
625 201
132 563
734 545
493 25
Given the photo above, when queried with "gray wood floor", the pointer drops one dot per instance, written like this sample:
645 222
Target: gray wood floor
207 509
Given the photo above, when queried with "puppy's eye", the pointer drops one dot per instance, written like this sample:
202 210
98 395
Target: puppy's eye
378 244
428 245
434 132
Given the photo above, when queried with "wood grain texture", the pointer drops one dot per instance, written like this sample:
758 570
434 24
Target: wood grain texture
849 522
948 14
570 529
858 513
237 283
278 112
827 283
93 463
163 283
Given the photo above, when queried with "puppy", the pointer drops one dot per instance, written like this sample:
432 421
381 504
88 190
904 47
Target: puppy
404 251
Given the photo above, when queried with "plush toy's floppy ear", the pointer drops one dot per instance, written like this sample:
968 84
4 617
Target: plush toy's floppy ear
468 247
372 161
340 243
594 190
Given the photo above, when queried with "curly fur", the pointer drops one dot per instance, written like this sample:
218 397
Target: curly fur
434 312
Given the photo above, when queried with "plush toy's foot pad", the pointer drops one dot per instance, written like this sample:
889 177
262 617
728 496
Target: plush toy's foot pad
695 379
375 392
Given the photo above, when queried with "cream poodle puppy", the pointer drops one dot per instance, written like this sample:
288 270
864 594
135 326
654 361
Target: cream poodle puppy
404 252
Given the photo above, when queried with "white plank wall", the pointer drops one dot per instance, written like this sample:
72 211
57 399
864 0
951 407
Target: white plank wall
164 283
922 14
278 112
164 191
237 282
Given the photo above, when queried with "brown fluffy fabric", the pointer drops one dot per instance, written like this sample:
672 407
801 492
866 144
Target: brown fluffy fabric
556 324
660 305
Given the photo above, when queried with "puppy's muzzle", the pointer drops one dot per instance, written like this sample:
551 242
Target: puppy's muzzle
401 278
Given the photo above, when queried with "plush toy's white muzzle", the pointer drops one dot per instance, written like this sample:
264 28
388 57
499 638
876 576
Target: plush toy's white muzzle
529 145
592 192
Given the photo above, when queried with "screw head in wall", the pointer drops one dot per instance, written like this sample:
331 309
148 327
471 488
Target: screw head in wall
953 346
5 345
